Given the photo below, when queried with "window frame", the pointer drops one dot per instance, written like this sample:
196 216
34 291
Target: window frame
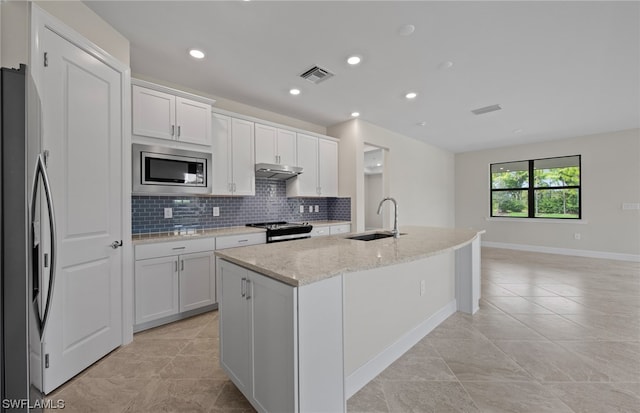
531 190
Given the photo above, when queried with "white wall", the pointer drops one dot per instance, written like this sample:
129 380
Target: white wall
14 34
418 175
373 194
610 176
75 14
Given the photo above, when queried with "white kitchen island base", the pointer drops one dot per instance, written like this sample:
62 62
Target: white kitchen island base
308 346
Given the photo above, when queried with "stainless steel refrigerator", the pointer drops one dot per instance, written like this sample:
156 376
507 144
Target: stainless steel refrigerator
24 292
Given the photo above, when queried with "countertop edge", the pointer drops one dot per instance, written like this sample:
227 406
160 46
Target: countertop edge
343 270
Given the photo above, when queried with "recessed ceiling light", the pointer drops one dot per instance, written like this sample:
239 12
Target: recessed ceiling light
354 60
423 123
406 30
446 65
411 95
378 164
295 92
197 54
355 114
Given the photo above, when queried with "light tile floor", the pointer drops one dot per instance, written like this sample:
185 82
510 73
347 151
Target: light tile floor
553 334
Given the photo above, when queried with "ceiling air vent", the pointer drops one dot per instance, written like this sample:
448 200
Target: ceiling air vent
316 75
486 109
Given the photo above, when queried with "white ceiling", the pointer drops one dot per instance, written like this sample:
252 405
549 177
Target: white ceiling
558 69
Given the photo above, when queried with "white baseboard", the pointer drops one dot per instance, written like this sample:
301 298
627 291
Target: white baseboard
363 375
564 251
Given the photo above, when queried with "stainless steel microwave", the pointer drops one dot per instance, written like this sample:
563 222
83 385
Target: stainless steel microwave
164 170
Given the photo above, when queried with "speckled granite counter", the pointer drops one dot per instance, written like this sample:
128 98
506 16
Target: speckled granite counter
307 261
191 234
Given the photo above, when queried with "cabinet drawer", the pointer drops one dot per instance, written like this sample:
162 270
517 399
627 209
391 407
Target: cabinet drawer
240 240
340 229
163 249
320 231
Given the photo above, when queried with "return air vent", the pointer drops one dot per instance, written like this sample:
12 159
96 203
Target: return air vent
486 109
316 75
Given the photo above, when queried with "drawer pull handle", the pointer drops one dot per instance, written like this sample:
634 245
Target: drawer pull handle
243 240
178 248
242 287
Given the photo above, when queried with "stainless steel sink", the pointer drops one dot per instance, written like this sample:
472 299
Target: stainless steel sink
373 236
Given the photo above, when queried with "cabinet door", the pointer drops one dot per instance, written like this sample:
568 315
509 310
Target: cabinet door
197 280
235 325
154 113
156 288
193 120
328 167
274 344
286 147
265 144
221 126
307 182
243 157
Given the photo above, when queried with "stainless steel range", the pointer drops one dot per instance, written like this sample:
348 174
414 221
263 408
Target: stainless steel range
284 231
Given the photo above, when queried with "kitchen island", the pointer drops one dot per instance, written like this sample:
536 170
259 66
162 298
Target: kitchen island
304 325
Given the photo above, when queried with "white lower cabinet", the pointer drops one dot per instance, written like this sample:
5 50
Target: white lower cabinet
258 341
171 285
172 278
340 229
197 280
156 286
282 346
319 231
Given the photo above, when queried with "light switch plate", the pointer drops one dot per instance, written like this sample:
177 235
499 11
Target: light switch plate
310 208
317 208
301 209
168 212
216 211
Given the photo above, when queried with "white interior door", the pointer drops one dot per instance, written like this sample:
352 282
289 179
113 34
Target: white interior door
82 130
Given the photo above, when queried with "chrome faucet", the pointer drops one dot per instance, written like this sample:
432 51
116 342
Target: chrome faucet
395 232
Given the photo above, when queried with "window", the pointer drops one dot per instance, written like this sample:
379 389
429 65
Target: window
537 188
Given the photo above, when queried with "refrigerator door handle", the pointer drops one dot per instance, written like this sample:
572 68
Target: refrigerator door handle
41 172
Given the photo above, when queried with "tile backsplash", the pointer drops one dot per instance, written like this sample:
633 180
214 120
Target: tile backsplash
269 204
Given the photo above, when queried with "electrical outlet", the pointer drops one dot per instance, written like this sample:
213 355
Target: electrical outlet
317 208
577 236
301 209
310 208
423 287
216 211
168 212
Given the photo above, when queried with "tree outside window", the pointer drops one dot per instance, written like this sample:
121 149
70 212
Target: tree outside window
537 188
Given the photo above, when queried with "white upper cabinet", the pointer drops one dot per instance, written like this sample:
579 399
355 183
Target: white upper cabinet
233 156
157 114
275 146
154 113
193 120
319 161
327 167
305 184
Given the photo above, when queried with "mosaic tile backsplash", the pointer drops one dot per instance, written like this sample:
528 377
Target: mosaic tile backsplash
269 204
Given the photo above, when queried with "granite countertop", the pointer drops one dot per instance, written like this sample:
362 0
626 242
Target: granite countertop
310 260
191 234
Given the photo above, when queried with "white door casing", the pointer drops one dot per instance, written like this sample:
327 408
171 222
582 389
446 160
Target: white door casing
82 130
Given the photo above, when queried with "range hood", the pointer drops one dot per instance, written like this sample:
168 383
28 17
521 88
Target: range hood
275 171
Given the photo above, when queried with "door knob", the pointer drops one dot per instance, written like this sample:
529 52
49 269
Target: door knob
116 244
